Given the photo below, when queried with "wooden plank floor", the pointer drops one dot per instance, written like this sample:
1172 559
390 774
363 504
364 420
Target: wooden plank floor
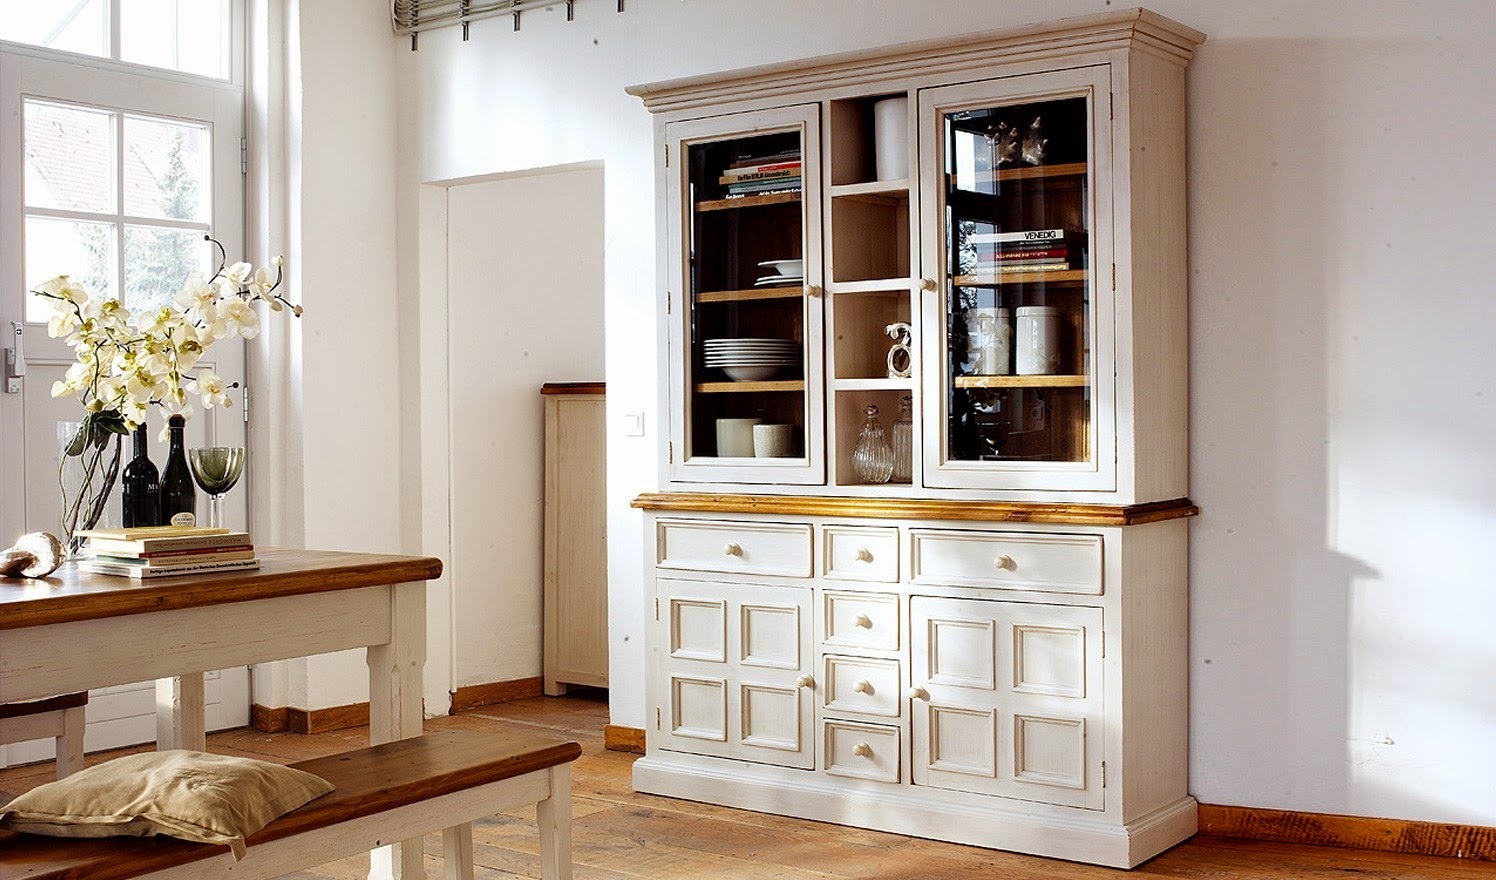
620 835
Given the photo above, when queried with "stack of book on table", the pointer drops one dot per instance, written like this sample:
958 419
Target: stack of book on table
762 175
162 551
1029 250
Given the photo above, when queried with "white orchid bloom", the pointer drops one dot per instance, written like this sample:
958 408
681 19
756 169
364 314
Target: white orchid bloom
262 284
211 388
189 347
240 318
134 413
238 275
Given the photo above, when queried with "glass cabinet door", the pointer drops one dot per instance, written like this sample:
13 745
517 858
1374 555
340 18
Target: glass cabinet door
1019 370
745 327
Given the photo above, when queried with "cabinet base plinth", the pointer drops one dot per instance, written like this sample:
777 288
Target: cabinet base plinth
1016 826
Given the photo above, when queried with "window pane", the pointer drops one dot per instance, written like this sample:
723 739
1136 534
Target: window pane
83 251
73 26
157 261
186 35
166 169
69 164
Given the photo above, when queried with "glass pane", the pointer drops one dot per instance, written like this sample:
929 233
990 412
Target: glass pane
747 333
73 26
186 35
1018 290
84 251
69 158
166 169
157 261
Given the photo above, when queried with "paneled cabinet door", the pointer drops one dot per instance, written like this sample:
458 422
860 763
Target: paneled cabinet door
744 316
1019 355
735 671
1007 699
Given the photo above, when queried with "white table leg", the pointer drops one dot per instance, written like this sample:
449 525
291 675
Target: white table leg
180 719
395 707
457 852
553 815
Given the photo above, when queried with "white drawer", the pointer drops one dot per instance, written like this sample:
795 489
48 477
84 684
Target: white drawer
862 684
862 751
861 553
861 620
719 545
1009 560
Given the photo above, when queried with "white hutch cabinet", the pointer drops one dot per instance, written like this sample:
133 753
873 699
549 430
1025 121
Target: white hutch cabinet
976 630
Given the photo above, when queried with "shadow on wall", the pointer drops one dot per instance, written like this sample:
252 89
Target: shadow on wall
1325 413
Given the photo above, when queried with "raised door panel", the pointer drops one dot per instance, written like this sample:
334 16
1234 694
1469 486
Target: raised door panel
1008 699
733 660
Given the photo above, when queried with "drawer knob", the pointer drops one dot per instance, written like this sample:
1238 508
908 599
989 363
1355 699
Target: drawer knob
927 284
863 621
864 554
918 693
1005 562
733 549
806 681
862 750
814 290
863 687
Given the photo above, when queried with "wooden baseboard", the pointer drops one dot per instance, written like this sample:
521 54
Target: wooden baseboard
268 720
475 695
1351 832
618 738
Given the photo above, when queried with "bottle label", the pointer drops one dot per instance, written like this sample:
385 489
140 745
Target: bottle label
185 518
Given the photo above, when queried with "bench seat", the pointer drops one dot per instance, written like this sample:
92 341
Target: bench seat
383 794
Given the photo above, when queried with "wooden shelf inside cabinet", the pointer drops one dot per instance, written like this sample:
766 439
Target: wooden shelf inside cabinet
873 384
1031 172
1045 381
1063 276
755 293
747 202
896 189
741 387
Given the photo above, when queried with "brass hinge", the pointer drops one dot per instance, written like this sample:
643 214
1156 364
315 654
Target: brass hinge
246 404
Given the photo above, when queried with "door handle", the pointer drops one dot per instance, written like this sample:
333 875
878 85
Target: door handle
15 360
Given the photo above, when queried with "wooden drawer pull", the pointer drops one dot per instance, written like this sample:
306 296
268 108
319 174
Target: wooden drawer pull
862 750
863 687
805 681
863 621
733 549
864 555
917 693
1005 562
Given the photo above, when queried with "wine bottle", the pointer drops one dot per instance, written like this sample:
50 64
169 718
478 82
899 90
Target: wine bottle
141 488
178 494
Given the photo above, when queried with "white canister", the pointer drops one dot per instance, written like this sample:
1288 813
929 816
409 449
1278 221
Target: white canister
735 437
891 138
1038 342
989 341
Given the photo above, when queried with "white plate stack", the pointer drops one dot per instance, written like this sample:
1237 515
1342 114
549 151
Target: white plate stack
751 360
785 272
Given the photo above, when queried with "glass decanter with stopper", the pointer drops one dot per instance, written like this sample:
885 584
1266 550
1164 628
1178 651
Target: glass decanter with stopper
903 442
872 459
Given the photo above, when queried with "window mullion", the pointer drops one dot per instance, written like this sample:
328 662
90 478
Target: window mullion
119 185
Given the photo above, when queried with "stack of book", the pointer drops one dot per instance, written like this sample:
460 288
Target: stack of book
1030 250
162 551
762 175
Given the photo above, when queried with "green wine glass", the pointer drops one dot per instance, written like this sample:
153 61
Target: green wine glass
216 469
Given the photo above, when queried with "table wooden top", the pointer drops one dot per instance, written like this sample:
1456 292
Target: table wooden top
69 594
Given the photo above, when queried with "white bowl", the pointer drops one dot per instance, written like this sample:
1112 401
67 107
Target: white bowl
785 267
752 373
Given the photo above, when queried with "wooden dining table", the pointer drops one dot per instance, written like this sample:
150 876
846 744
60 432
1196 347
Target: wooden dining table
74 631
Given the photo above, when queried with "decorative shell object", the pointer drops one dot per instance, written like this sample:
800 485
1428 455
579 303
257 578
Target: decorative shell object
1034 143
35 555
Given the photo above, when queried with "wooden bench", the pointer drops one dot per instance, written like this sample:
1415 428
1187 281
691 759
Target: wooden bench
58 718
385 793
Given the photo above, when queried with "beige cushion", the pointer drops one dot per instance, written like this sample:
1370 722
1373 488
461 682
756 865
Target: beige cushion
190 795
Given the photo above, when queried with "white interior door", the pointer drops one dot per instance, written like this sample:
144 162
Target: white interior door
112 174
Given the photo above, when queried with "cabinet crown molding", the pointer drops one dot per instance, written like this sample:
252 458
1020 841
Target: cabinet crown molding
1128 28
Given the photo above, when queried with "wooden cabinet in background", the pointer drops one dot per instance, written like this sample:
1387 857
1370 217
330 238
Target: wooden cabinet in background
576 536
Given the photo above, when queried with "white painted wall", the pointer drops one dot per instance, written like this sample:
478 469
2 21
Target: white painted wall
524 300
1342 391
